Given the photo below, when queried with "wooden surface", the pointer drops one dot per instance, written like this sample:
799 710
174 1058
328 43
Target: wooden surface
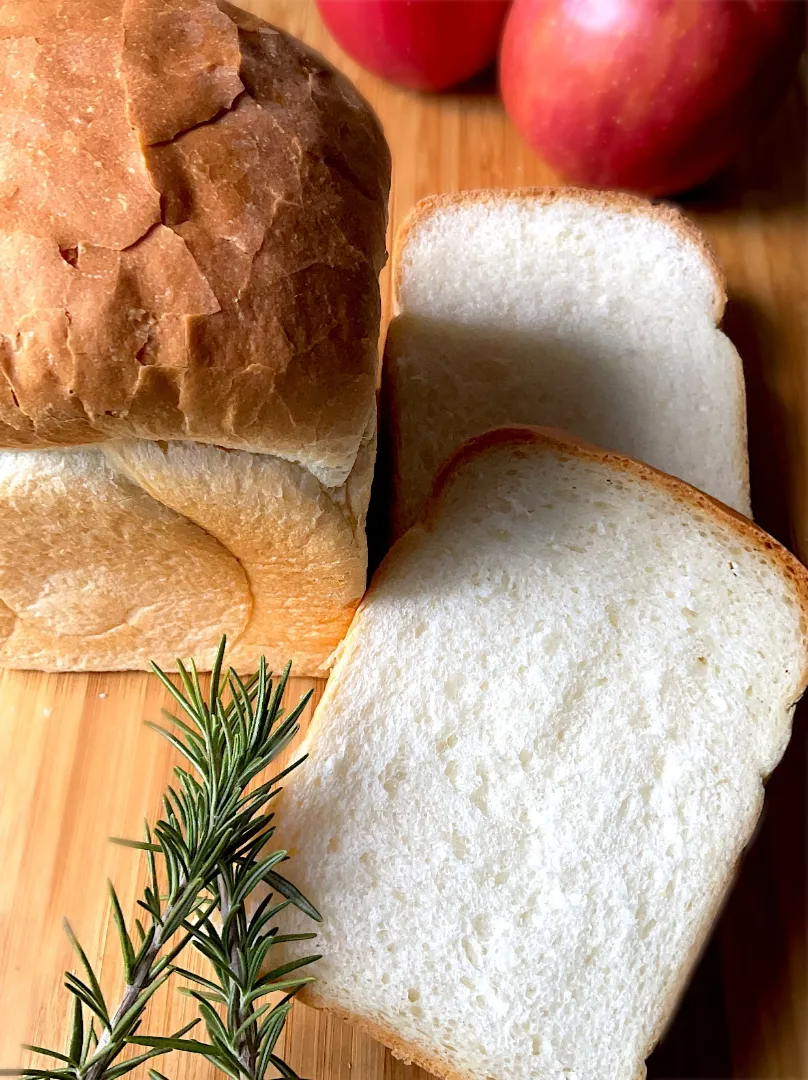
76 764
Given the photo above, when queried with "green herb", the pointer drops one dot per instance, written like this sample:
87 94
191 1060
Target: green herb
206 856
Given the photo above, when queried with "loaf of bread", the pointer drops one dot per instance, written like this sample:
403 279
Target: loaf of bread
192 224
592 312
539 758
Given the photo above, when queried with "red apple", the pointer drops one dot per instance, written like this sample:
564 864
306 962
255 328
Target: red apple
421 44
649 95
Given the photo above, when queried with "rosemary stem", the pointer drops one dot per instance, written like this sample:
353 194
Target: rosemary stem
140 980
246 1051
128 999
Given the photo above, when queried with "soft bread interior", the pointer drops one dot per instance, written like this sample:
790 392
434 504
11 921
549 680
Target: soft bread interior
538 760
595 314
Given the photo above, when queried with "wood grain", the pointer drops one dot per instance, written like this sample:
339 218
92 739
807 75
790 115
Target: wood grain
77 765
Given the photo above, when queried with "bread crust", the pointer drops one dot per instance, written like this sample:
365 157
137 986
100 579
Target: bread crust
204 266
621 201
192 222
254 546
404 1051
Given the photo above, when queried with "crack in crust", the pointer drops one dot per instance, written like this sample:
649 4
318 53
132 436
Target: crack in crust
172 84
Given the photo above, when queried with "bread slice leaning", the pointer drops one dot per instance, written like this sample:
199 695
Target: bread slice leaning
593 312
539 758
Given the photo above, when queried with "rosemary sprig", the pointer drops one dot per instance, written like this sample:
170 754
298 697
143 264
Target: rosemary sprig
243 1043
206 855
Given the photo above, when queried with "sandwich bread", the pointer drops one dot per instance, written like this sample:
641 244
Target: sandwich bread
591 312
539 758
192 224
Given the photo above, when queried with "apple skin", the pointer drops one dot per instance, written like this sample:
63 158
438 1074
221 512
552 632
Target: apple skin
652 96
420 44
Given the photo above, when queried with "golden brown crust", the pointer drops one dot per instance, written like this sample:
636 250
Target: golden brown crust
269 174
72 167
180 65
84 559
606 200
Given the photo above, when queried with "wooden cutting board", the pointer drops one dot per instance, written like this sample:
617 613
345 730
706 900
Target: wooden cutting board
77 765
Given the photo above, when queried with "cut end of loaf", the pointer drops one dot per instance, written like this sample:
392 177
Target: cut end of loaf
591 312
431 211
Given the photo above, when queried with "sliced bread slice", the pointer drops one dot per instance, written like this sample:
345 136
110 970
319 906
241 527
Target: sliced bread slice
539 758
587 311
